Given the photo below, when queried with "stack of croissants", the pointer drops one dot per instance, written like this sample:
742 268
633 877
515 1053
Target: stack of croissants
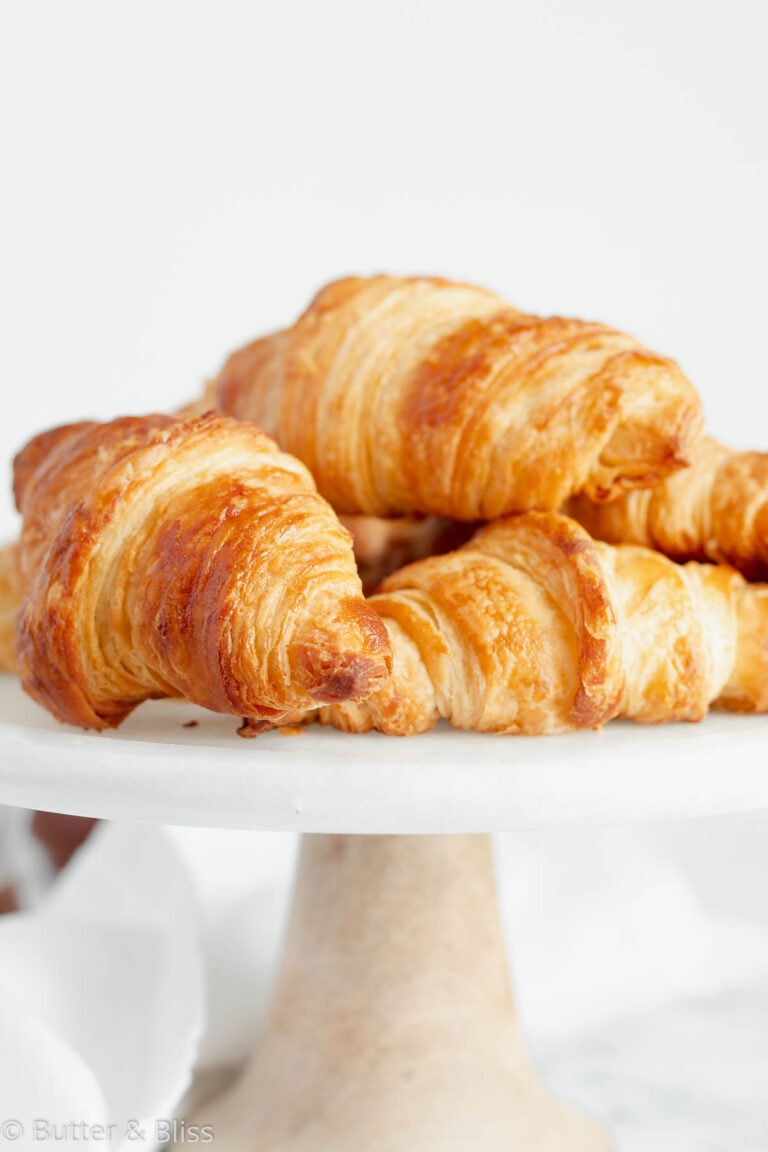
546 537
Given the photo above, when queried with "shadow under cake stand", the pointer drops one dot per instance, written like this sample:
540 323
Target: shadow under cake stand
392 1026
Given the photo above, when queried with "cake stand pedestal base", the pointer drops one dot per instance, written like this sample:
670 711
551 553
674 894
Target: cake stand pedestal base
392 1026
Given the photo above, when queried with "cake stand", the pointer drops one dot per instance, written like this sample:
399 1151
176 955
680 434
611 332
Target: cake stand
392 1026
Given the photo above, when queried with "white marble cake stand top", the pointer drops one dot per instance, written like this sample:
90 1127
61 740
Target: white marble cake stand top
155 769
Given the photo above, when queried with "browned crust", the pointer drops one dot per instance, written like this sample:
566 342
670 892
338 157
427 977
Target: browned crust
533 627
556 551
418 395
715 510
185 557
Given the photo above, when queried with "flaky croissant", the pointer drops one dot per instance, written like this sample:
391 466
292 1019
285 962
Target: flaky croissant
533 627
715 510
422 395
188 557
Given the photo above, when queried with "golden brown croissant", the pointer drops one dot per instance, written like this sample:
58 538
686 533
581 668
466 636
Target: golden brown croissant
533 627
165 556
10 598
422 395
715 510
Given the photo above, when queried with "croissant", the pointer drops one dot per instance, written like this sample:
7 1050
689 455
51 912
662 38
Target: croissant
533 627
422 395
10 597
164 556
715 510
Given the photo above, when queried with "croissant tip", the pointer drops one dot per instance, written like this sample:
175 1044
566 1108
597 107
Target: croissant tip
349 661
352 677
331 673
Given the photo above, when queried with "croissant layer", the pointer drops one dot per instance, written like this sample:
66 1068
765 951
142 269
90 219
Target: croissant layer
715 510
187 557
533 627
422 395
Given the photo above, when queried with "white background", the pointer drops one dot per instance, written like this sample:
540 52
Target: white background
177 178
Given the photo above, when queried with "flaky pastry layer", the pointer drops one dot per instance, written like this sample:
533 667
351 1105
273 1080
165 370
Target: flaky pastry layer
184 557
420 395
533 627
715 510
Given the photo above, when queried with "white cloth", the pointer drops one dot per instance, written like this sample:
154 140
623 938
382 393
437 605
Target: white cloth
101 993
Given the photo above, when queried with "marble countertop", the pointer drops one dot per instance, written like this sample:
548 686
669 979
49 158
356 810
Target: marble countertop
691 1077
